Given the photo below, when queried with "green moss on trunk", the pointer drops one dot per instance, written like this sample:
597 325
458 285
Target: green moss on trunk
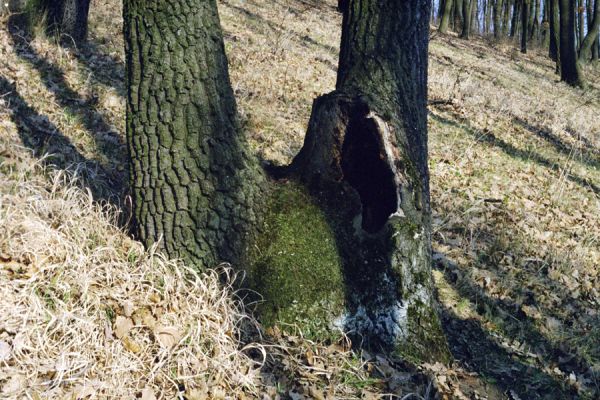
295 266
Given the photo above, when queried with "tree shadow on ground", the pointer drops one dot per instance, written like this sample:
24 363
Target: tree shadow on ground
45 140
106 69
108 144
504 343
491 139
587 155
254 20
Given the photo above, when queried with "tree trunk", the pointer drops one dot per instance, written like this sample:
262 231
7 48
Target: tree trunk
446 16
506 18
458 15
585 52
194 184
498 29
580 24
569 67
535 27
67 18
514 26
545 28
467 18
553 51
524 25
365 158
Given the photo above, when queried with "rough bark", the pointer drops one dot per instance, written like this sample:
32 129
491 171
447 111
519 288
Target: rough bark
446 15
365 158
524 24
585 52
194 183
569 66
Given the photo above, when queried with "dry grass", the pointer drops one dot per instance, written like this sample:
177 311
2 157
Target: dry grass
515 172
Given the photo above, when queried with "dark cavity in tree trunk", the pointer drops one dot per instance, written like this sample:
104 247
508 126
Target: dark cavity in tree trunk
367 170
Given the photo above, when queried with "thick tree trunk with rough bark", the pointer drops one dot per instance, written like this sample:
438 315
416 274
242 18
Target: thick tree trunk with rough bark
585 52
569 67
194 183
365 158
446 15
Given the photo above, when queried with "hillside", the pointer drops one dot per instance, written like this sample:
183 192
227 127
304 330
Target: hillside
515 188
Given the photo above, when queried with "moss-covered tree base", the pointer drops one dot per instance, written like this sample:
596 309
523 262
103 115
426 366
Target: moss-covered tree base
347 246
295 267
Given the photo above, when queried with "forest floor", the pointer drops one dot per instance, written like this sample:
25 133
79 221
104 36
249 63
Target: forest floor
86 312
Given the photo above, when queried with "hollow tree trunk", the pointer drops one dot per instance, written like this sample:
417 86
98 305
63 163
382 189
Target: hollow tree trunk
365 158
446 15
585 52
193 181
569 67
67 18
524 25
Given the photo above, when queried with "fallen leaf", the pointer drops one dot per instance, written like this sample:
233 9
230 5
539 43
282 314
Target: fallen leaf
122 326
167 336
15 384
5 350
148 394
131 345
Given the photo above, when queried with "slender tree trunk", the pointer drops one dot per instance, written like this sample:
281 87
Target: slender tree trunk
569 69
458 15
506 18
466 30
194 183
553 51
365 157
498 28
535 27
524 25
67 18
446 13
585 52
545 28
580 24
514 27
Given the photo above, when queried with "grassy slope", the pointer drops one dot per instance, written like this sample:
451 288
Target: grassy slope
515 165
